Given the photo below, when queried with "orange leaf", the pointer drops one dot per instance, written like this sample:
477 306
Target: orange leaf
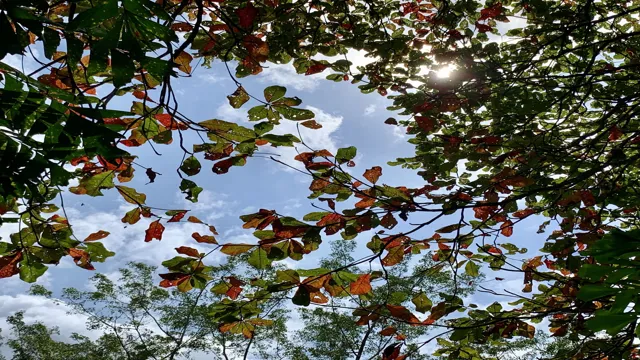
373 174
361 286
169 122
173 279
189 251
506 228
235 249
97 236
184 62
388 331
402 313
194 219
154 231
9 265
311 124
207 239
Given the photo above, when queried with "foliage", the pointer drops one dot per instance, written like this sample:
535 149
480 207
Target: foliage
539 122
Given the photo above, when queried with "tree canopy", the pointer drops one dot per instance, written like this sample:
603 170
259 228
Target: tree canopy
539 120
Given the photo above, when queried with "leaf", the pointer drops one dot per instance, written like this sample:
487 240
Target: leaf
247 16
316 68
373 174
472 269
422 303
506 228
273 93
449 228
361 286
154 231
132 216
31 270
189 251
176 215
311 124
235 249
394 256
402 313
302 296
346 154
131 196
97 236
195 220
184 62
9 265
207 239
191 166
388 331
238 98
613 323
151 175
593 292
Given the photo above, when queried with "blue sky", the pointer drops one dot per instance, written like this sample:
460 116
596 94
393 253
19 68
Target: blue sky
349 118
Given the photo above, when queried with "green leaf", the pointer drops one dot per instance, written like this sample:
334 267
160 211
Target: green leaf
449 228
31 270
294 113
259 259
422 303
346 154
257 113
472 269
593 292
288 276
613 323
93 185
273 93
191 166
98 252
95 16
122 67
131 196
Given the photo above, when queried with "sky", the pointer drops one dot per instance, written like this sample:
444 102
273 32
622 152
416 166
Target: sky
349 118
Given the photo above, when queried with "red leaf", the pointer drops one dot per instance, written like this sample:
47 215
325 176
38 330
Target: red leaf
207 239
189 251
483 28
316 68
247 15
173 279
154 231
97 236
181 26
400 312
373 174
9 265
233 292
426 123
494 250
169 122
615 133
361 286
178 216
332 222
491 12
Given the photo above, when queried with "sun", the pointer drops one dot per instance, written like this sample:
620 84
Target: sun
445 71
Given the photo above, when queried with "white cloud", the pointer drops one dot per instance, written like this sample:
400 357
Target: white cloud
317 139
400 132
369 110
227 113
285 75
